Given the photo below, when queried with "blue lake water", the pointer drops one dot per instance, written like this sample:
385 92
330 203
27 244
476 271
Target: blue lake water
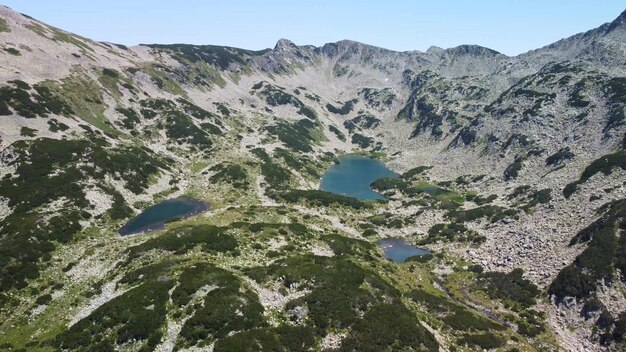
155 217
353 175
398 250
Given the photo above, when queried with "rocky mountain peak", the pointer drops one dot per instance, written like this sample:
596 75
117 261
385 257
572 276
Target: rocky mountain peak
433 49
618 22
284 45
472 50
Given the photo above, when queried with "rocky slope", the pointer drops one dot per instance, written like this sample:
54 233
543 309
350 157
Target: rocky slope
513 174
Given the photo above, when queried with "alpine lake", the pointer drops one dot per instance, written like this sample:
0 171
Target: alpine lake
156 216
352 177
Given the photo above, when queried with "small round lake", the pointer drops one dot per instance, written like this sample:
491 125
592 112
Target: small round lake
156 216
398 250
353 175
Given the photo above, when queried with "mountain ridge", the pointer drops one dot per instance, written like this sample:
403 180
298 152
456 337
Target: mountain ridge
511 169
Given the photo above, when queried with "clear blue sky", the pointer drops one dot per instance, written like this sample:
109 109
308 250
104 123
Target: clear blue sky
509 26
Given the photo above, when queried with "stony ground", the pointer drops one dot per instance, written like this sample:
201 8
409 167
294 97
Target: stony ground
466 113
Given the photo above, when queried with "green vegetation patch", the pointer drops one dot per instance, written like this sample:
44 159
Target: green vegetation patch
512 171
387 183
301 162
416 171
28 132
73 39
340 290
605 164
452 314
615 93
559 157
486 340
576 97
231 173
180 240
426 115
131 118
299 136
493 213
136 316
226 308
194 110
13 51
454 232
31 104
322 199
344 109
388 327
337 132
526 200
362 141
54 126
274 174
181 129
388 220
308 112
448 197
219 56
215 301
4 26
605 252
50 170
510 286
283 338
362 121
378 98
349 246
84 96
276 96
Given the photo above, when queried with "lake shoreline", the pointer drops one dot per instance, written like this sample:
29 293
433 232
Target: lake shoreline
353 175
131 227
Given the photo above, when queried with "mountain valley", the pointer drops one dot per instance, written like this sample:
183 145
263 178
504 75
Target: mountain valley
511 173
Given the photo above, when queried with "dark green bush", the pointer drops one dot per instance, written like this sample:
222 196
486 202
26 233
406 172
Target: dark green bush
604 164
486 341
110 72
323 198
605 252
28 132
388 327
308 112
415 172
209 238
228 308
180 128
492 212
453 232
362 141
30 105
131 118
337 132
230 173
344 109
572 282
560 156
298 136
283 338
339 288
513 169
122 320
510 286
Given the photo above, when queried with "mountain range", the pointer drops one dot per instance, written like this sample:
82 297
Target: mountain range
512 173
